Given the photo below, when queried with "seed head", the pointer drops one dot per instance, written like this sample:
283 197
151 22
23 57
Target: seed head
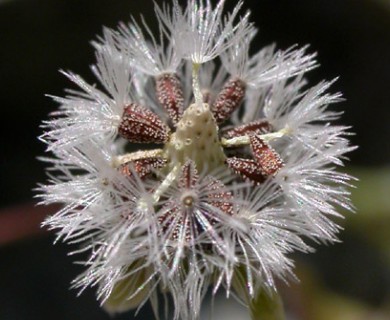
185 172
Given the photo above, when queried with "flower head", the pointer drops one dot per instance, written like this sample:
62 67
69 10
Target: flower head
235 161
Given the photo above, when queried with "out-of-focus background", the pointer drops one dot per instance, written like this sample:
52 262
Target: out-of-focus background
349 280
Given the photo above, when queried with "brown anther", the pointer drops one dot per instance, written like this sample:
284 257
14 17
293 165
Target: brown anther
219 197
141 125
170 95
229 99
247 168
267 158
261 126
142 167
189 175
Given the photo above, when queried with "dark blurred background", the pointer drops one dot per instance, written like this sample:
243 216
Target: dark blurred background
350 280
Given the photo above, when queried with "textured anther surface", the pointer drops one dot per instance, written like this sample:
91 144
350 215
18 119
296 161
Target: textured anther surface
261 126
140 125
248 169
170 95
229 99
142 166
267 158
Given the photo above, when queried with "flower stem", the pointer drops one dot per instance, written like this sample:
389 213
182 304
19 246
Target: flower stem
169 179
195 83
138 155
245 140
